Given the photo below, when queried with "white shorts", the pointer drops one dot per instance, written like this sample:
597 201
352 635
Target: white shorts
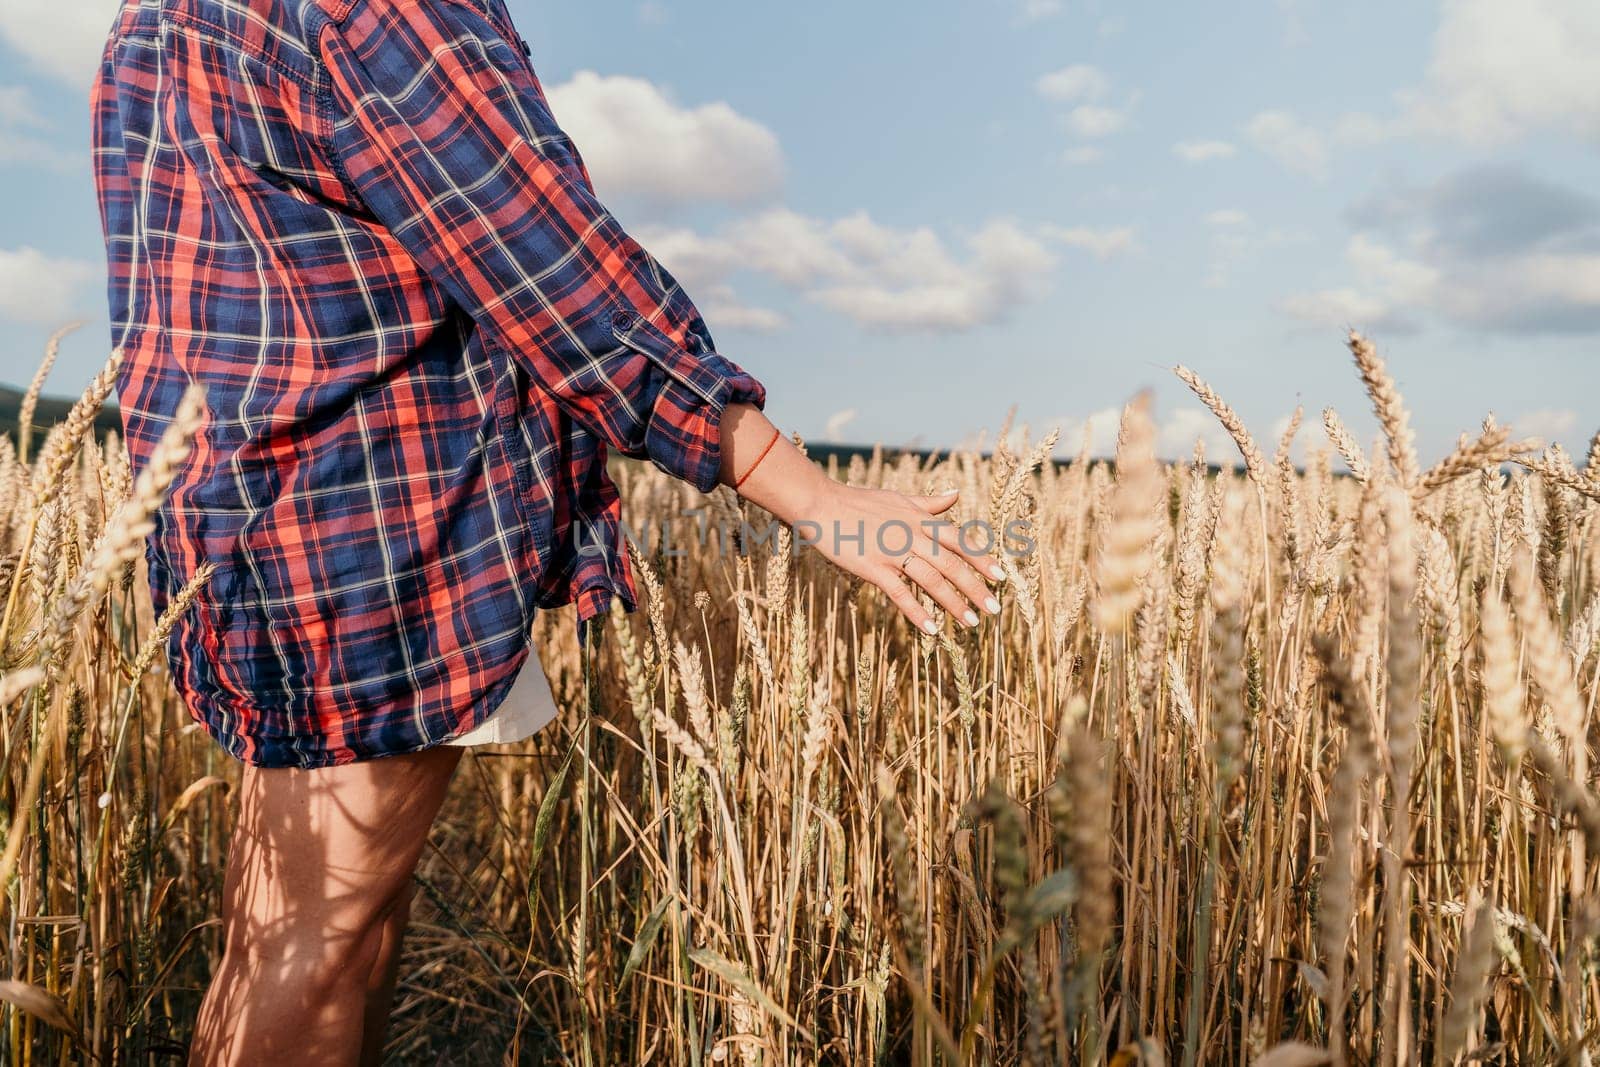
528 707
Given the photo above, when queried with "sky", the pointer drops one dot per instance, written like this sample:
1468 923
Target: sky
907 219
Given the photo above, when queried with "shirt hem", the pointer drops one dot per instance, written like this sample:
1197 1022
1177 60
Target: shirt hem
278 755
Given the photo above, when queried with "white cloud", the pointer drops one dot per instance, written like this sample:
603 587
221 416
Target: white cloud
908 281
43 289
1485 248
1552 425
1338 309
1293 144
62 40
1500 69
882 277
1100 429
652 13
736 316
637 142
21 148
1405 284
1405 280
1360 130
1497 72
17 107
1096 120
1103 243
1176 433
19 118
723 309
1527 293
1202 151
1033 10
1235 240
1086 87
1078 82
834 428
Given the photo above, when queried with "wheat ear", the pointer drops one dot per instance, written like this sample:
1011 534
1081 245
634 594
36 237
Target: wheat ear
1254 465
1390 409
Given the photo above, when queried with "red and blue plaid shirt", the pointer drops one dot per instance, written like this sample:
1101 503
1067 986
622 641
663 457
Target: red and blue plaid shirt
357 224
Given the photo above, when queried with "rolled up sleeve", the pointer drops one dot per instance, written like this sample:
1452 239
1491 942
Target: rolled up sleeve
441 128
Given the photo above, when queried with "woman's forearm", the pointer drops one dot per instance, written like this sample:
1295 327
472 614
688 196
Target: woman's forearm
783 480
885 537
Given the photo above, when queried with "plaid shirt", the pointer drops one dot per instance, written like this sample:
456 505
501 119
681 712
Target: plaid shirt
358 225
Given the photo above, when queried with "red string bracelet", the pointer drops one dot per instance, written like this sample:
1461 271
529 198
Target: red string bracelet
759 458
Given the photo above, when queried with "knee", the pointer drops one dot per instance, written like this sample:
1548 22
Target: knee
319 949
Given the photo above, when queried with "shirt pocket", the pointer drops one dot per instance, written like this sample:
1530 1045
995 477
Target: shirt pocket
243 113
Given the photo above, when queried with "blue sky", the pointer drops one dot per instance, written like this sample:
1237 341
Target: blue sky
906 218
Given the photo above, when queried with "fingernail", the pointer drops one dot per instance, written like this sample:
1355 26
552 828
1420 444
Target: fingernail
971 617
930 626
949 491
995 570
993 605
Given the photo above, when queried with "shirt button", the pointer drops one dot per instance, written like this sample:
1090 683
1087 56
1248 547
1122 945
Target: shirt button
622 320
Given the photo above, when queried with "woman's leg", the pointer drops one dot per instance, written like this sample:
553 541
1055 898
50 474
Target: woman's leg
314 905
381 980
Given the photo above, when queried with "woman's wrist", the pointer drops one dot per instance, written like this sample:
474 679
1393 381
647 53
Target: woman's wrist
772 473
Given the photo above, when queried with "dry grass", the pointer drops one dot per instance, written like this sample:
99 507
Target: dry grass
1280 767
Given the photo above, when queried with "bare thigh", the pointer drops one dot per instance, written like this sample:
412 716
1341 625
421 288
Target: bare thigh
319 858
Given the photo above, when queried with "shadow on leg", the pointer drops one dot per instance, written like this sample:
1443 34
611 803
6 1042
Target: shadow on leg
316 896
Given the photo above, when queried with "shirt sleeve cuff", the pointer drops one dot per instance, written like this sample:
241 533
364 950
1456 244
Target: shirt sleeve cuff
684 435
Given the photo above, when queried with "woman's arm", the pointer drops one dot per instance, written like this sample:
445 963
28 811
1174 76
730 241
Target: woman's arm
443 131
864 531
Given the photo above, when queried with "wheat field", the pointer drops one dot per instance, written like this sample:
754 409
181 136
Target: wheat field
1262 763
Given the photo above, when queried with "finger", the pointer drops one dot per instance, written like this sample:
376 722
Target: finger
935 503
950 540
927 574
961 574
902 597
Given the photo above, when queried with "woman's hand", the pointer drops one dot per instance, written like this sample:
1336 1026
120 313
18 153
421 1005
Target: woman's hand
879 535
886 538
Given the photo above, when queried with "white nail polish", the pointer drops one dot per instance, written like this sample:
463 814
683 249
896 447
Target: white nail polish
930 626
993 605
997 572
971 617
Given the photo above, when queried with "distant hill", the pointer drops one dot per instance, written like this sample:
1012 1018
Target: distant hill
822 451
51 410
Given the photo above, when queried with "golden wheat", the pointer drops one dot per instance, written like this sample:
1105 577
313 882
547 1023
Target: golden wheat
1237 775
